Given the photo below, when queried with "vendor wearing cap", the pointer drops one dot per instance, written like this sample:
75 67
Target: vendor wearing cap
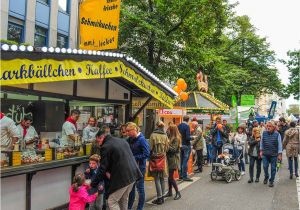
9 132
69 129
28 134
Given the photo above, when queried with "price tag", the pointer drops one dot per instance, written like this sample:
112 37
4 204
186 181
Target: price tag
88 149
48 154
16 159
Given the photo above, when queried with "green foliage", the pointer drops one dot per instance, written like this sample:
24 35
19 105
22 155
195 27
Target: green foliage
293 65
177 38
10 42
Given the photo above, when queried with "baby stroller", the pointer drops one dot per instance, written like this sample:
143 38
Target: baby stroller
226 168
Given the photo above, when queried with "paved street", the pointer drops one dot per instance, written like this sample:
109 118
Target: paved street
206 194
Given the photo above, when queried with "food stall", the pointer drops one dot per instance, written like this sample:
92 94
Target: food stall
46 83
202 105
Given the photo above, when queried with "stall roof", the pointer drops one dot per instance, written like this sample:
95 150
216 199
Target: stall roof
26 64
201 102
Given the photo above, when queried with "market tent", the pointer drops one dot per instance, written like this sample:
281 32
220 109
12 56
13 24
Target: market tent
204 103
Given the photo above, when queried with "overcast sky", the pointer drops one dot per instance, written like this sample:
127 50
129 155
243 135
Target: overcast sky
279 21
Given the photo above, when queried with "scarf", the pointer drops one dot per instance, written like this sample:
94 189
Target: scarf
69 119
24 130
1 115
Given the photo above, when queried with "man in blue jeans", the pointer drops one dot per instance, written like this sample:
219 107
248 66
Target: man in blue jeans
270 151
185 132
141 152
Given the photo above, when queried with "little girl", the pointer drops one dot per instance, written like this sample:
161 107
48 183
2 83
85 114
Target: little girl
78 193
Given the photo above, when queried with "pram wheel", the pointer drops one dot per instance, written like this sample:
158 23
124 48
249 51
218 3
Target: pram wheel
228 176
213 175
238 175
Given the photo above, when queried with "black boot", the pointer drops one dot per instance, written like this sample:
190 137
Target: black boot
177 196
158 201
291 176
169 194
250 180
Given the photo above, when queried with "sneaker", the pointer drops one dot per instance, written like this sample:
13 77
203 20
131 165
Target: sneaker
271 184
197 171
266 181
257 180
291 176
243 173
158 201
250 180
187 179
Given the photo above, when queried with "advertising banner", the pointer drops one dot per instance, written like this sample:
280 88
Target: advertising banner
25 71
99 24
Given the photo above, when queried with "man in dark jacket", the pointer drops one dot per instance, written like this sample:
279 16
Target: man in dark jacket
270 151
185 132
116 159
141 152
219 138
283 127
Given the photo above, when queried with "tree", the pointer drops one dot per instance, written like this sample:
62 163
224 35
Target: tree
294 109
293 65
177 38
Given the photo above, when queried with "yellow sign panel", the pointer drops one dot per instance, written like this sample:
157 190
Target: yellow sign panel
153 104
48 154
24 71
16 158
99 24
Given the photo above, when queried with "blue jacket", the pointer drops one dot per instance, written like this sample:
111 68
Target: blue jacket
185 132
140 150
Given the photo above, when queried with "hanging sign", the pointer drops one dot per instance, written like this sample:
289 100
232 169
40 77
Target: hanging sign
99 24
24 71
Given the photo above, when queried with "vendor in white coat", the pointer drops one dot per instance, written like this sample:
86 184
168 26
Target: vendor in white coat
90 131
9 133
69 129
28 134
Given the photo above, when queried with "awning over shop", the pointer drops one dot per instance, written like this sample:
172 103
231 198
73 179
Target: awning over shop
201 102
54 65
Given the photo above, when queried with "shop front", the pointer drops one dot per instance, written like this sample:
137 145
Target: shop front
47 85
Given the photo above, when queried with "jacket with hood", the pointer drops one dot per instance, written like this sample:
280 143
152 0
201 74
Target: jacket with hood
291 142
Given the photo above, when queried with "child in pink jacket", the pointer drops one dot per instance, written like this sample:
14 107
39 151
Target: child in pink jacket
79 195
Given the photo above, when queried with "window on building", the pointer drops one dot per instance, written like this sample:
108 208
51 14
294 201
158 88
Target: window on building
15 32
63 5
40 36
44 1
62 41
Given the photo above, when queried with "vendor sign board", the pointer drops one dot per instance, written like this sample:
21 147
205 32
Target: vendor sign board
25 71
247 100
175 112
153 104
99 24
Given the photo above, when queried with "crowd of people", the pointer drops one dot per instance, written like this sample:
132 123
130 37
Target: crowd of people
118 165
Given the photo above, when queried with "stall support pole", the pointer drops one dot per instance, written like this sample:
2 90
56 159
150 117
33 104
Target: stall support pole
142 107
28 189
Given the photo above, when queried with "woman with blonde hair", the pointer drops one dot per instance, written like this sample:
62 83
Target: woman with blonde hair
173 157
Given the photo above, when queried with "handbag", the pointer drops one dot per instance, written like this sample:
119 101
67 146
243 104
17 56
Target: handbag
157 163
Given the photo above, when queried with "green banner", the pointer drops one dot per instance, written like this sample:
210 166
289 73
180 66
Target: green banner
233 101
247 100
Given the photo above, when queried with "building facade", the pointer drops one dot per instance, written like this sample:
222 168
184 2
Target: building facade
263 104
50 23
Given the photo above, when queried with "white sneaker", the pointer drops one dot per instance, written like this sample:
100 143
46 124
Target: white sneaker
243 173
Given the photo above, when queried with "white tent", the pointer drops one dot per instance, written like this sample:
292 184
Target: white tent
292 118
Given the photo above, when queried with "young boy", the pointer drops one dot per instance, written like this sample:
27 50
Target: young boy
89 173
